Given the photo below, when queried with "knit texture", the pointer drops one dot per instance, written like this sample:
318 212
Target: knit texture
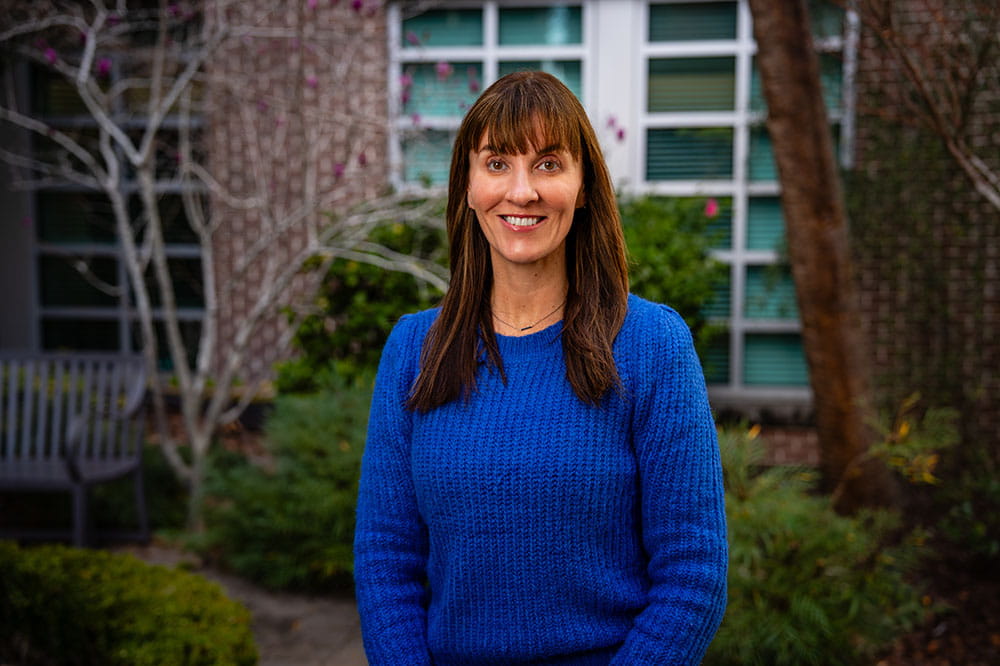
525 527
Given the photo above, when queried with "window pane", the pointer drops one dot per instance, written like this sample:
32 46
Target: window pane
53 95
719 307
62 284
774 360
692 84
173 218
762 165
827 18
75 217
831 80
692 21
567 71
79 334
190 334
540 25
444 27
720 228
185 274
716 360
683 154
770 293
427 158
765 225
443 89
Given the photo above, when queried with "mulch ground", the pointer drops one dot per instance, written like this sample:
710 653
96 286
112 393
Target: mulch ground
967 633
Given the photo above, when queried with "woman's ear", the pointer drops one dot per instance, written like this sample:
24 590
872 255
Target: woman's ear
581 199
468 200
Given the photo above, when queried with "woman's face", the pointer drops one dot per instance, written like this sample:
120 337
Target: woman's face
525 203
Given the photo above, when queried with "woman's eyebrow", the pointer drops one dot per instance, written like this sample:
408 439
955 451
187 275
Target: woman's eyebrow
553 148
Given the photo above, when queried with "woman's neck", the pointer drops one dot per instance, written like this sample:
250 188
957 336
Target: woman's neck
524 302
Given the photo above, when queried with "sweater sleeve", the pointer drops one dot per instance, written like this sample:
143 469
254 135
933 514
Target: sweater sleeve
683 517
390 543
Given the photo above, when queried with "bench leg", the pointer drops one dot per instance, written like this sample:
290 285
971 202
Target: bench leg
80 515
140 508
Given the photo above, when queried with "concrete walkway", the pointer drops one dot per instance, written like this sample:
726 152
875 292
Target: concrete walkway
289 629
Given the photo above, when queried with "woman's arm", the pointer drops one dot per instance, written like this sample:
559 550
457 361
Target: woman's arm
683 517
390 544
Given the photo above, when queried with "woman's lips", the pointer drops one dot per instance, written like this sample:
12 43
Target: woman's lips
522 222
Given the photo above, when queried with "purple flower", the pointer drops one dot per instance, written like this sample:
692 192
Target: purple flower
612 121
620 134
412 39
51 55
444 70
312 81
356 5
338 169
473 86
415 118
711 208
405 80
174 9
362 160
103 67
312 4
261 105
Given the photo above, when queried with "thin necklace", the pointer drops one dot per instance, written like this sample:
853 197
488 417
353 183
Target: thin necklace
529 326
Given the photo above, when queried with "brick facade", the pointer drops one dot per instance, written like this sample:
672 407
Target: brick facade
927 244
298 107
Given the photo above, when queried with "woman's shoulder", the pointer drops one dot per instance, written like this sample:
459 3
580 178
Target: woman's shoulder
653 321
412 328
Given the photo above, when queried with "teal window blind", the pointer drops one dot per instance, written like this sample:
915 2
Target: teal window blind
774 359
831 80
770 293
80 334
715 360
720 305
720 228
827 18
550 26
75 217
686 153
686 21
444 27
445 93
567 71
765 224
63 285
692 84
427 157
761 157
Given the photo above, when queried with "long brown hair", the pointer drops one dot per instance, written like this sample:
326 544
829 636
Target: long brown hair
513 112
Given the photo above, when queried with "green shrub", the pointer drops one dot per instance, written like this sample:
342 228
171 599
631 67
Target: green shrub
806 586
290 524
60 605
668 243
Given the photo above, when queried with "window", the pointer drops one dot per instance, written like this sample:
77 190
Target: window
81 302
672 89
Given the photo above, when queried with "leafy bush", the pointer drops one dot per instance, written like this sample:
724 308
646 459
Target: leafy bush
290 524
60 605
668 242
806 585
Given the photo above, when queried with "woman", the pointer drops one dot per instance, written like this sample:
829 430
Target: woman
541 481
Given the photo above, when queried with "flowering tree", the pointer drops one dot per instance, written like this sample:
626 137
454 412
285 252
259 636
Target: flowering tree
242 107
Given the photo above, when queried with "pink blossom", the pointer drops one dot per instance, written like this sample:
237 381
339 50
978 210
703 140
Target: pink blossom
51 55
362 160
404 99
415 118
338 169
312 4
612 121
473 86
711 208
444 70
174 9
356 5
620 134
412 39
312 81
261 105
405 80
103 67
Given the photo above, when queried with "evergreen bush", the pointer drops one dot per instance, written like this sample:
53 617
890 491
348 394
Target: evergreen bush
289 524
806 585
67 606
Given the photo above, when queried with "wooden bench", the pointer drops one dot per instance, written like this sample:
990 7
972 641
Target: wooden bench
68 422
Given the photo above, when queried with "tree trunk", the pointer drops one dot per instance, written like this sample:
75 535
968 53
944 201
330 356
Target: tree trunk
816 229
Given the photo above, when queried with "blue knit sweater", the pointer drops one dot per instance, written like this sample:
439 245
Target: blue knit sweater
526 527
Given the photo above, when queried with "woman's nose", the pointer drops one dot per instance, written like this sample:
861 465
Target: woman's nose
521 189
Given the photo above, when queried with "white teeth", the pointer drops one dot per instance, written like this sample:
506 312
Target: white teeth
519 221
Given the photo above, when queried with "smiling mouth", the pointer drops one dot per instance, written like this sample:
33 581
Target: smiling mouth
522 221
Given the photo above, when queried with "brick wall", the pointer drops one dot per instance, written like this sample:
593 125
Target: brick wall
927 244
297 114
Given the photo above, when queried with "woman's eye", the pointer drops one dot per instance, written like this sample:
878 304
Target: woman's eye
548 165
494 165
